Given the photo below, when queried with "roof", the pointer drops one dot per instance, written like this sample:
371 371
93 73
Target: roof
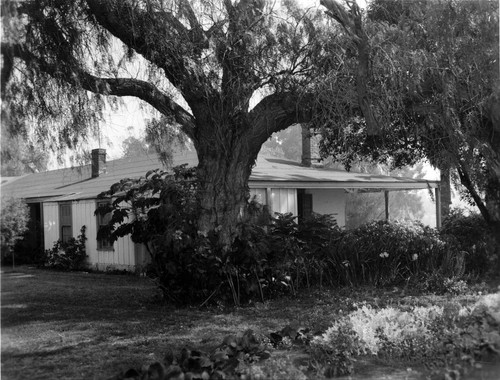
76 183
290 174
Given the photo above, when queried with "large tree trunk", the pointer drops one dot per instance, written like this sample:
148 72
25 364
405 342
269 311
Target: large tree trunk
227 145
226 154
224 191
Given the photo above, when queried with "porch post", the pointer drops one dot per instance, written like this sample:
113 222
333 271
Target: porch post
438 207
386 198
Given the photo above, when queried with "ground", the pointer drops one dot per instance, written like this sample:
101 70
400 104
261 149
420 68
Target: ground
93 325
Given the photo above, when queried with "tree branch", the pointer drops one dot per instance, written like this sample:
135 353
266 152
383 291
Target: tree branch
465 180
174 53
109 86
352 22
277 112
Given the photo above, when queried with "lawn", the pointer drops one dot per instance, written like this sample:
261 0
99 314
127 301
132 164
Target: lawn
90 325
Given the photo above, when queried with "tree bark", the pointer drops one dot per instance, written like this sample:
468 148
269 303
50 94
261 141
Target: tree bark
445 180
223 192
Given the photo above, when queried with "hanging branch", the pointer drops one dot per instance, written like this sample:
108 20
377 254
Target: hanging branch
352 22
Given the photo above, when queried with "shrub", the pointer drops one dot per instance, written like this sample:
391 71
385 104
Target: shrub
14 217
334 350
473 237
67 255
385 253
159 211
451 335
280 257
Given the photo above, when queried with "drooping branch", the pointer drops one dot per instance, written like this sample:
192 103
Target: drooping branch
173 53
352 22
108 86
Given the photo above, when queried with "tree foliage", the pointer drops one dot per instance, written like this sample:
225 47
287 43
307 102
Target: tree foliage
20 156
228 74
14 219
432 85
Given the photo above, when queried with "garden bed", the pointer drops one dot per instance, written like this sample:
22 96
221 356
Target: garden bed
90 325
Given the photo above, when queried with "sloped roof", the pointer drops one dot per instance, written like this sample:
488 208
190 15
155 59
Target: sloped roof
76 183
284 173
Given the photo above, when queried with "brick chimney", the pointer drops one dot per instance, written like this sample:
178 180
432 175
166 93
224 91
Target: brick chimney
98 162
306 146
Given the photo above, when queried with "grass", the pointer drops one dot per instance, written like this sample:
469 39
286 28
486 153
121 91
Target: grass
93 326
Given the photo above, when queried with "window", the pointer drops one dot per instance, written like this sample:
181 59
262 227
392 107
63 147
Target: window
102 220
65 221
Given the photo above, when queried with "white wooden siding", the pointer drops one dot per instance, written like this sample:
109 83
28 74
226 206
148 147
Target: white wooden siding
50 224
83 215
122 256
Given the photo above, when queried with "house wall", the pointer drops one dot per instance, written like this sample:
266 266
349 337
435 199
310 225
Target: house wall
329 201
123 254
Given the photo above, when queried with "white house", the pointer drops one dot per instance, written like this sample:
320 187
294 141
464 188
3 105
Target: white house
64 200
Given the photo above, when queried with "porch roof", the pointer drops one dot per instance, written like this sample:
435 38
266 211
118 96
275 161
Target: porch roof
276 173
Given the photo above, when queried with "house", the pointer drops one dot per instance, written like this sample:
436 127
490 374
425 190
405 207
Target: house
62 201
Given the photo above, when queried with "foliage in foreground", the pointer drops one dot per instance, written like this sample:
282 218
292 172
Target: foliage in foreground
67 255
473 236
449 338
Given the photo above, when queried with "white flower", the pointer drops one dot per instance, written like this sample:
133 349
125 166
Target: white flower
414 257
384 254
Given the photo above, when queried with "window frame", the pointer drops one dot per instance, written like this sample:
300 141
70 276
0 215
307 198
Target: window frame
103 244
65 222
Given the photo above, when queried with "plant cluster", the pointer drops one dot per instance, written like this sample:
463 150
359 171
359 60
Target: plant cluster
383 253
474 237
455 336
333 351
67 255
14 218
283 256
229 360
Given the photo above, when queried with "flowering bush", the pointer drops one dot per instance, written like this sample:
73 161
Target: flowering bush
451 333
67 255
388 253
374 327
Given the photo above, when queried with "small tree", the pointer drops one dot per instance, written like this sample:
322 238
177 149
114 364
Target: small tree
14 222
